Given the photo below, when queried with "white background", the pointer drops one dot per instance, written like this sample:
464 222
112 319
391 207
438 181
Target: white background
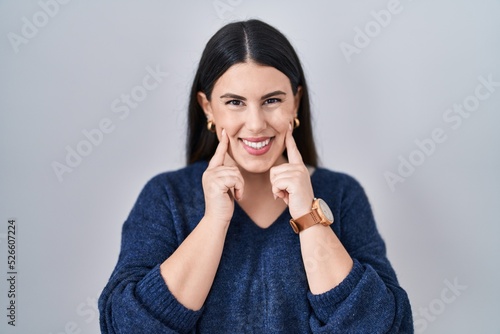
440 224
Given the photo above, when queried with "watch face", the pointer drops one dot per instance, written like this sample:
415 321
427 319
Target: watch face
326 210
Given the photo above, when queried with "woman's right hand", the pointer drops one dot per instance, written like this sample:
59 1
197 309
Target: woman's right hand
221 185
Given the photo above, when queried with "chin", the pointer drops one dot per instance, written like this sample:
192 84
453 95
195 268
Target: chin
256 164
259 166
254 167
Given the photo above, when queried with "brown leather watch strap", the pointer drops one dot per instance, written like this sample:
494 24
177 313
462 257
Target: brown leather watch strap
303 222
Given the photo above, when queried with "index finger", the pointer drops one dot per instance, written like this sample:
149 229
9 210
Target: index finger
293 153
220 152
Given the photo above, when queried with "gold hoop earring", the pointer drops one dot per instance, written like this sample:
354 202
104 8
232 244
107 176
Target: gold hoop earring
296 123
211 126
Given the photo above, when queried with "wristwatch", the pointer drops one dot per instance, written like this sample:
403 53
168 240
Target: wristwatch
320 214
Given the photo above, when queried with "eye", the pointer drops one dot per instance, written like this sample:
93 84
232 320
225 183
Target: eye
234 103
272 100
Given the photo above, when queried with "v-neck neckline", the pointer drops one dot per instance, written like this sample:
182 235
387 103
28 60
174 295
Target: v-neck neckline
245 215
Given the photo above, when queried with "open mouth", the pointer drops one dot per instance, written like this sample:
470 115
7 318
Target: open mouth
257 146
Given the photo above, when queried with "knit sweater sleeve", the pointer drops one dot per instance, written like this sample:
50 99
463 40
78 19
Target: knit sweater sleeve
369 299
136 298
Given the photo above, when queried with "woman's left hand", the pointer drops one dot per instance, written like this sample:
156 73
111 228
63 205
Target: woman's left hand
291 181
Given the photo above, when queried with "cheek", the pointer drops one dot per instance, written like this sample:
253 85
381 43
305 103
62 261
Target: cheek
232 133
281 122
227 120
286 114
280 133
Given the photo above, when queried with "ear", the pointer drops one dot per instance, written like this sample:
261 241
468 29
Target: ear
297 98
205 105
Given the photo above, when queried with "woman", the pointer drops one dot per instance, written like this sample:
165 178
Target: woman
252 236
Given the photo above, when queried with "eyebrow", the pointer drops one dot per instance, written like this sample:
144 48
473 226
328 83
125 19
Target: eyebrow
238 97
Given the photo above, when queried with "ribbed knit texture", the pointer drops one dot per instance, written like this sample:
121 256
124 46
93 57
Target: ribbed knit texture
260 286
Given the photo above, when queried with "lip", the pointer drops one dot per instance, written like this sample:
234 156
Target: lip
254 150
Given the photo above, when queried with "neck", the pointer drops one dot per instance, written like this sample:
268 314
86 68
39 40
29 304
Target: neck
258 200
256 182
257 185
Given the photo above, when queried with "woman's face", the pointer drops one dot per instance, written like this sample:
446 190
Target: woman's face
256 105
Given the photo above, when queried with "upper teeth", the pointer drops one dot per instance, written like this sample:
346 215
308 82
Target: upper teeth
256 145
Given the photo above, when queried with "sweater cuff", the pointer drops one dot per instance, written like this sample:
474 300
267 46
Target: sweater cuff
153 292
325 303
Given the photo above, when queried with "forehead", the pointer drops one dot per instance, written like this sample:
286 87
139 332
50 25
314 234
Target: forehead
249 79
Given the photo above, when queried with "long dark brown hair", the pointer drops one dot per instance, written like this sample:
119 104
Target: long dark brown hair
239 42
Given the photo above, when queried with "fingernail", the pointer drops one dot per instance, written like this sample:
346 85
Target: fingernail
275 196
289 126
223 133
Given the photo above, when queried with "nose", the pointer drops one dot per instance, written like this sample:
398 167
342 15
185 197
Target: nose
256 119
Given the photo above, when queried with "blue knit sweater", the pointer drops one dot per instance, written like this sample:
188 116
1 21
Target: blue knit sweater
260 285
